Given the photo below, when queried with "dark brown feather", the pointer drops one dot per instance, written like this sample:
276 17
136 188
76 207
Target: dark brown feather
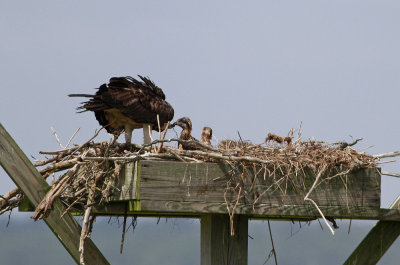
140 101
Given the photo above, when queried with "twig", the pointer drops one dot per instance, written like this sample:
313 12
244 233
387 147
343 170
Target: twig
44 207
9 218
60 166
163 137
390 174
233 212
91 222
85 225
87 142
72 204
298 140
58 139
321 171
385 162
131 158
179 141
177 156
151 138
72 137
348 231
224 157
322 215
45 162
159 126
58 152
124 227
342 145
84 234
240 137
5 198
272 242
385 155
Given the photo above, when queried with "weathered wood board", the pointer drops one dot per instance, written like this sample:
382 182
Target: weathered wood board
34 187
377 241
201 188
217 244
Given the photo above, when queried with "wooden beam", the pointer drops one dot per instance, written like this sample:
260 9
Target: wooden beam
178 188
218 247
206 182
263 210
274 212
130 188
194 189
377 242
34 187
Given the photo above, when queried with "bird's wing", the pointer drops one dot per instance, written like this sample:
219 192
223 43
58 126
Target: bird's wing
138 101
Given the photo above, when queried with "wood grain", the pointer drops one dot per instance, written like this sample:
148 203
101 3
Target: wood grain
34 187
377 241
200 187
218 247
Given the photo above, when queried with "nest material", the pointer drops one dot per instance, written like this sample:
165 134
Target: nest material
92 169
95 167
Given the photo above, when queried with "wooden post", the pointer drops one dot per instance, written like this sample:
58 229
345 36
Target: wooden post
34 187
377 242
218 247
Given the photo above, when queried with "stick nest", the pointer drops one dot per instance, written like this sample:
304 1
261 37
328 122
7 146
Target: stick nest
88 173
91 170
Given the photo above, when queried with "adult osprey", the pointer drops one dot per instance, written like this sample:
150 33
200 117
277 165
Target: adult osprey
126 104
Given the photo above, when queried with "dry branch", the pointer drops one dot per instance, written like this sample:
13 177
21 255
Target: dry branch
386 155
306 198
44 207
5 198
59 166
390 174
85 226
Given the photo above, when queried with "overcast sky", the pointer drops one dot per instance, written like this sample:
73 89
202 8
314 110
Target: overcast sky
254 67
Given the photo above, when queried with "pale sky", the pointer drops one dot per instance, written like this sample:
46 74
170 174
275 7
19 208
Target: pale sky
254 67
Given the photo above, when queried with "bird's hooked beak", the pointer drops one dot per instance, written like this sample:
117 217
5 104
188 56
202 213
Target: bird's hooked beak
178 122
184 123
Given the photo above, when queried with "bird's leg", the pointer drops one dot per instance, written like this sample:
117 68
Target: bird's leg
128 134
147 133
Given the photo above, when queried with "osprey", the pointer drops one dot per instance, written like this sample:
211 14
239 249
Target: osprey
206 136
125 104
186 124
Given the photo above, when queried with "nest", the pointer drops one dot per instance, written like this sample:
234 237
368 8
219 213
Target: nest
88 172
93 168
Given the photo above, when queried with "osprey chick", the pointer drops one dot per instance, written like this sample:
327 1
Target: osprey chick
127 104
186 124
206 136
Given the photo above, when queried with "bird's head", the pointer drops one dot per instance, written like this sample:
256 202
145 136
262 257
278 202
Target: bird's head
185 123
206 135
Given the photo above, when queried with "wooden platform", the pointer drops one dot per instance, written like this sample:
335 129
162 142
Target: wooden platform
150 188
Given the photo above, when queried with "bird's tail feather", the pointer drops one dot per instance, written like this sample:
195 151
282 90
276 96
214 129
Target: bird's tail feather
81 95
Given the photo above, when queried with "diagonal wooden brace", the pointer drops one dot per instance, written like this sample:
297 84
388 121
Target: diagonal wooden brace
377 242
34 187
